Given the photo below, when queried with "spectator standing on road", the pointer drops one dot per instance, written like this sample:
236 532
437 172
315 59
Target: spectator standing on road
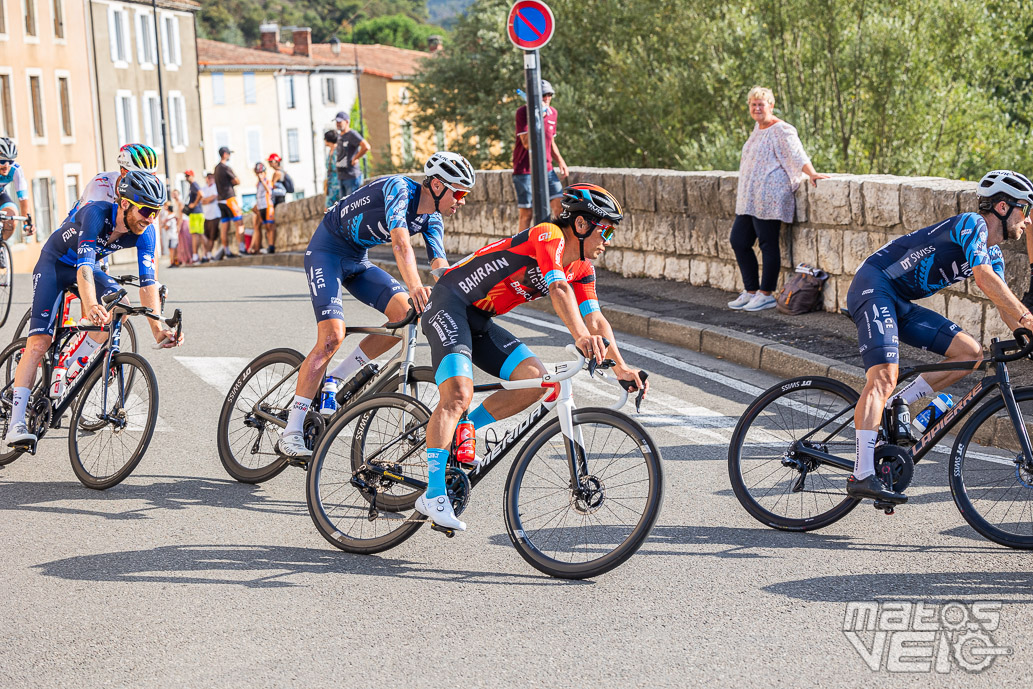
169 225
522 160
229 207
279 179
185 253
195 217
210 209
263 210
331 187
350 149
770 168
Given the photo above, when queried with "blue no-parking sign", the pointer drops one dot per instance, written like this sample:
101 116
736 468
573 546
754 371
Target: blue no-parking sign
531 24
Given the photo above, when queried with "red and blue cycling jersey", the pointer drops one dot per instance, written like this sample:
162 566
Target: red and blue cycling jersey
922 263
85 238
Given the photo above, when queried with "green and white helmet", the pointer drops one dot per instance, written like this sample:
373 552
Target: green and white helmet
138 157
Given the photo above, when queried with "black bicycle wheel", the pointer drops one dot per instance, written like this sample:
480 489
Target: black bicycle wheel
9 359
6 281
246 440
365 509
578 534
23 324
989 479
104 457
787 491
420 385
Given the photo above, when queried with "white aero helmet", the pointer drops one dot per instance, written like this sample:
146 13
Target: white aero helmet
1007 182
450 168
8 149
138 157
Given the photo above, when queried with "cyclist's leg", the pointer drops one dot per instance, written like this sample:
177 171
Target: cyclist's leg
924 328
503 355
374 287
7 208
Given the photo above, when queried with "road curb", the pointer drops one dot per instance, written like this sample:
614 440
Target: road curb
721 342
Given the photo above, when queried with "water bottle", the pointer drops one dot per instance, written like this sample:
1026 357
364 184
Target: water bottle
328 403
465 441
901 422
357 382
57 387
940 405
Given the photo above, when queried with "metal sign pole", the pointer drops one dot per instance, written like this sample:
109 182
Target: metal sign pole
536 129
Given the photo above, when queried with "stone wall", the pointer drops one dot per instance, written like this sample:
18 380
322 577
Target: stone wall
677 228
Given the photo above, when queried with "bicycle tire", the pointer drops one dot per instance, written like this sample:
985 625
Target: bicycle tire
234 443
341 510
123 399
797 396
6 282
623 440
9 358
982 472
19 332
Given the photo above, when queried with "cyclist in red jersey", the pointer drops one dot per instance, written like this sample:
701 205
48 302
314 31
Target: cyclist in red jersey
552 258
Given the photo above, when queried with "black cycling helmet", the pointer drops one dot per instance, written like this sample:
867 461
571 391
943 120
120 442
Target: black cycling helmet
592 201
143 189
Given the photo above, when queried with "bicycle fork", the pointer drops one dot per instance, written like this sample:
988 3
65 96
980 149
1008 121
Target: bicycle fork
586 489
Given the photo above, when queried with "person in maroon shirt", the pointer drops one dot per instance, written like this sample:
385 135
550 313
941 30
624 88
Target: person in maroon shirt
522 160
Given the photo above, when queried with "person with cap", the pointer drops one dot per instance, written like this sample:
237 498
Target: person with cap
229 207
331 187
195 216
351 146
210 209
522 160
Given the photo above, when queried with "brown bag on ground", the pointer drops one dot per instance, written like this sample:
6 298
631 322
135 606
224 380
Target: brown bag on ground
802 292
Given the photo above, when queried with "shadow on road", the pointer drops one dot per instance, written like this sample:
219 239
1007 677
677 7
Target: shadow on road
1012 587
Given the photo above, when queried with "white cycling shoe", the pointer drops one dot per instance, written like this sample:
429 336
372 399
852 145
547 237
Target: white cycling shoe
439 511
19 434
293 445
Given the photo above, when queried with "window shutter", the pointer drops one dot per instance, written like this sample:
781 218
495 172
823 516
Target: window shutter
112 35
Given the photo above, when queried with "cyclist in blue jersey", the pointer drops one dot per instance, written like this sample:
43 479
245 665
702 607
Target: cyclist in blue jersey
12 178
390 209
68 260
916 266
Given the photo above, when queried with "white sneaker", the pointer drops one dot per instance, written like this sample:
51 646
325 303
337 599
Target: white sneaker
293 445
740 301
439 511
194 259
219 254
760 302
18 434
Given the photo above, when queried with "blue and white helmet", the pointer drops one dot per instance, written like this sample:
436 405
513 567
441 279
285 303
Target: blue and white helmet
8 149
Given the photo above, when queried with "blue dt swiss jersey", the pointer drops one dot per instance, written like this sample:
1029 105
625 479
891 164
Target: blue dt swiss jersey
366 217
83 239
922 263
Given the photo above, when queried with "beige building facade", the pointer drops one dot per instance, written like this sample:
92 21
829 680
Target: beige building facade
47 108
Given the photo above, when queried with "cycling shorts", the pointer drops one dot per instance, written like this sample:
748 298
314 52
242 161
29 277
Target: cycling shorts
264 215
7 202
462 336
330 264
884 320
229 209
50 279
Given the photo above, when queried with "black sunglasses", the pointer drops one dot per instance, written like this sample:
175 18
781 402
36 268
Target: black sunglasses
1024 206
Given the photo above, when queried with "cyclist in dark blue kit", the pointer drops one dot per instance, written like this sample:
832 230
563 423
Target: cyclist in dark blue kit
916 266
69 259
390 209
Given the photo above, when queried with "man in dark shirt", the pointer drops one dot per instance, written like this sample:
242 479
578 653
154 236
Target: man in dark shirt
350 149
229 206
522 160
194 214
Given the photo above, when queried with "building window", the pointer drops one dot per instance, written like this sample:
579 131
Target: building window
3 17
118 34
66 106
222 138
36 96
59 19
218 89
408 156
290 93
125 117
152 119
329 90
146 46
177 119
43 201
72 190
293 150
254 145
7 121
171 30
30 17
249 88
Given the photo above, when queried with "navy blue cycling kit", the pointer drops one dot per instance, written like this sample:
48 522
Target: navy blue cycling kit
82 240
911 267
337 255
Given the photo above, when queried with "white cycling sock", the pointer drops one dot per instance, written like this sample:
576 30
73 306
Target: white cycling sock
352 363
864 460
21 403
85 349
296 419
912 392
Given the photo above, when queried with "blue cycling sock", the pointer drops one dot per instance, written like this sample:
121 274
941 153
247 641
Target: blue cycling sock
481 417
437 461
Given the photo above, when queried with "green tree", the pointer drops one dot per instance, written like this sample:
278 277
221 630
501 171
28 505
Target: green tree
398 30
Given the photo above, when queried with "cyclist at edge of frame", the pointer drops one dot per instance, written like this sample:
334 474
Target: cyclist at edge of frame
11 174
915 266
389 209
552 258
69 259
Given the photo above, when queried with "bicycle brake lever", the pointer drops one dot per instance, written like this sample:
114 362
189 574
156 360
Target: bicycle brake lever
628 385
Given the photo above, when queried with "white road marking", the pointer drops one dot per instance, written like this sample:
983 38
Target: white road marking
217 371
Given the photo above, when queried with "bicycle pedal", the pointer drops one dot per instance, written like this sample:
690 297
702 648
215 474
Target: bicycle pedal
448 532
888 508
27 446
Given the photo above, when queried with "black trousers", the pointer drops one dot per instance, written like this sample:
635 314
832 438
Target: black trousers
747 231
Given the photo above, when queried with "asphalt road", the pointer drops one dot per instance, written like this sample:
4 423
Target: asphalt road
181 577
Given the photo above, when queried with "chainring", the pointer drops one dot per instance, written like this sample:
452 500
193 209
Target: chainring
894 466
39 416
458 487
313 427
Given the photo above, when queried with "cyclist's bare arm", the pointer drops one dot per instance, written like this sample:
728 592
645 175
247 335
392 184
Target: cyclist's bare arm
598 325
565 304
996 290
406 260
88 296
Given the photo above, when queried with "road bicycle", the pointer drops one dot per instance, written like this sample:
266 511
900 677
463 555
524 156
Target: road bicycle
257 406
793 449
114 400
72 294
581 497
7 269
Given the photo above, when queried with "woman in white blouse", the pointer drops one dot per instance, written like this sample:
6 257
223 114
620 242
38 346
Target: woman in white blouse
772 162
